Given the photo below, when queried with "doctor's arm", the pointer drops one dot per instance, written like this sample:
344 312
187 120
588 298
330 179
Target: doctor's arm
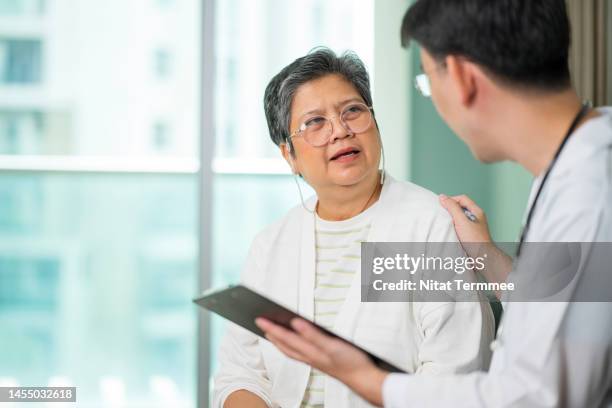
353 368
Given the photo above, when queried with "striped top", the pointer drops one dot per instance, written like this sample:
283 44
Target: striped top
338 263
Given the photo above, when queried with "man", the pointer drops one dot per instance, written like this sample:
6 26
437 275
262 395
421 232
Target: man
498 74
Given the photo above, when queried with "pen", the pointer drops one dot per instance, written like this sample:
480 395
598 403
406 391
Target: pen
470 215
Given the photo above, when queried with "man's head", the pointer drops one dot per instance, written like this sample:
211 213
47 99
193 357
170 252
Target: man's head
475 52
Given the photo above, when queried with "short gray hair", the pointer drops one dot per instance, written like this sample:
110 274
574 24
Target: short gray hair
314 65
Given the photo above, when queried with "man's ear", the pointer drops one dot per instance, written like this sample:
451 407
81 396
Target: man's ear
284 148
463 78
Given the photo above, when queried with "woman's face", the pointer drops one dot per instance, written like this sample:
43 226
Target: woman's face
326 166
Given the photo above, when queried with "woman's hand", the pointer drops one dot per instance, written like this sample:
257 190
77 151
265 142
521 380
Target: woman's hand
243 398
330 355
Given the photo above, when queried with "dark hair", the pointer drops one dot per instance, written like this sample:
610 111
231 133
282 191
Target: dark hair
524 42
314 65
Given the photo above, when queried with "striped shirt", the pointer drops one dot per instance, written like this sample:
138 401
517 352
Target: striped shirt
338 263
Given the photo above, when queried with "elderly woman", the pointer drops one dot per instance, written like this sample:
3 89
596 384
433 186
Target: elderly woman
319 112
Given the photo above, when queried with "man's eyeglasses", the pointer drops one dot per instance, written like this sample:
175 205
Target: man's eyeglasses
421 82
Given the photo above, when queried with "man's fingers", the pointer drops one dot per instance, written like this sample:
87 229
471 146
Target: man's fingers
311 333
467 202
453 207
266 325
288 351
289 339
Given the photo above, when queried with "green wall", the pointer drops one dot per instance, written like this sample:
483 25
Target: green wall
440 162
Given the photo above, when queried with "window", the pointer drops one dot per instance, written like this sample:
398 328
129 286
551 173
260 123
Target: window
99 202
21 7
161 136
99 181
20 61
164 3
163 63
21 132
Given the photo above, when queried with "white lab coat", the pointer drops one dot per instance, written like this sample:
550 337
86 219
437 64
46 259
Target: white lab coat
547 354
418 337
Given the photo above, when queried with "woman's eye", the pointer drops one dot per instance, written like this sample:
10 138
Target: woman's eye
355 109
353 112
316 121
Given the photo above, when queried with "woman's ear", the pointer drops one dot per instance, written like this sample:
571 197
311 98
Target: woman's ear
286 152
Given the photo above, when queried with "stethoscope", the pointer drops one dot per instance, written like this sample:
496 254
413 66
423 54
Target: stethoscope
583 111
586 107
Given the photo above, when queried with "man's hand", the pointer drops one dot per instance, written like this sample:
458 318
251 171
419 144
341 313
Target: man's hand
467 230
330 355
476 239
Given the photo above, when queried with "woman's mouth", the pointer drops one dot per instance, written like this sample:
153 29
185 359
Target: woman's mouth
345 155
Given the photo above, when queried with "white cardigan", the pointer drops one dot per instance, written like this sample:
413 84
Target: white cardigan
424 337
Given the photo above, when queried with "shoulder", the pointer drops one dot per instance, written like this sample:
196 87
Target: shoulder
575 203
415 214
584 168
407 199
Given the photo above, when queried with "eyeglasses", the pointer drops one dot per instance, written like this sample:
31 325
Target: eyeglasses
317 131
421 82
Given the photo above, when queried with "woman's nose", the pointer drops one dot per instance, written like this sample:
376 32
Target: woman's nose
338 130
